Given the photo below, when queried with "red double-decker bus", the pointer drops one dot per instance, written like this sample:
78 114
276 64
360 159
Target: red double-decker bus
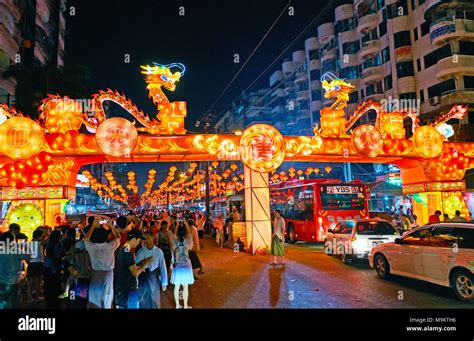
311 207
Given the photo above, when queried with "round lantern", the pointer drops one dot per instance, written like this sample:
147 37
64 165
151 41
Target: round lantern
20 138
428 142
116 137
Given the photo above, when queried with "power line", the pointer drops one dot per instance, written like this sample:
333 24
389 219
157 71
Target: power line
249 57
282 53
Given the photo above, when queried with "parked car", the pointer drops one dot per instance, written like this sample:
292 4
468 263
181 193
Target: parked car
441 253
353 239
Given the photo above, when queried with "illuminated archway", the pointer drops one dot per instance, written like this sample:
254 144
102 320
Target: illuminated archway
41 161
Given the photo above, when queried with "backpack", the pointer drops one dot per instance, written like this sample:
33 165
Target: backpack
181 254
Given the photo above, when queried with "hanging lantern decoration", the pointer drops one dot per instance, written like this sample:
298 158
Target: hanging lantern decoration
233 167
316 171
299 172
309 170
328 169
215 164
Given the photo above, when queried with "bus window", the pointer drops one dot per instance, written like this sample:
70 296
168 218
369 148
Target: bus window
303 204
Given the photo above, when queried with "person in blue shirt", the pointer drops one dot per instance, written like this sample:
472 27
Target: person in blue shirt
155 273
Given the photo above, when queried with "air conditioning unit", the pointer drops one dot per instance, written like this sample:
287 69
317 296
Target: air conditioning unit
434 100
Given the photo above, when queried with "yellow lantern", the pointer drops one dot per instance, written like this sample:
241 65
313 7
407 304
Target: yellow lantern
233 167
316 171
215 164
309 170
328 169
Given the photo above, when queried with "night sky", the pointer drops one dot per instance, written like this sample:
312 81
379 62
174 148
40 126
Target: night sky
204 40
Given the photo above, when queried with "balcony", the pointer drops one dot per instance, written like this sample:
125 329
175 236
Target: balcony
325 32
287 67
302 96
279 109
403 54
276 77
278 93
367 21
316 85
301 77
311 44
372 74
369 48
449 67
434 6
446 28
377 96
454 97
348 36
328 54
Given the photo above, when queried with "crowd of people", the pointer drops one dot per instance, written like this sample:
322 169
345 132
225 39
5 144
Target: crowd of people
105 262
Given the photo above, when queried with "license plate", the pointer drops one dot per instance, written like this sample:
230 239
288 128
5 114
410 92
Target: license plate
376 242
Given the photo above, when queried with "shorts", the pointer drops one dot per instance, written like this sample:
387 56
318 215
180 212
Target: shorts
219 236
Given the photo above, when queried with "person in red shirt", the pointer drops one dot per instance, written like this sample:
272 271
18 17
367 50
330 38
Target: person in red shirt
434 218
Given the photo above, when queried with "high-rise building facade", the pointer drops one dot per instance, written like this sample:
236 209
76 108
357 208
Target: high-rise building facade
31 33
415 50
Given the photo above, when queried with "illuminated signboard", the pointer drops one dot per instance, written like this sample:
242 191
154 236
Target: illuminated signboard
336 189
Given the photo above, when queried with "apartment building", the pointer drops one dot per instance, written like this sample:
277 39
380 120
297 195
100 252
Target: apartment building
31 33
403 50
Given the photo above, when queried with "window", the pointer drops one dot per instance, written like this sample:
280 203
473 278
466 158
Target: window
375 228
438 89
465 238
438 54
374 61
383 28
362 93
385 55
408 95
466 47
349 24
316 95
295 203
418 64
349 72
314 54
422 96
402 39
405 69
417 237
351 47
442 237
354 97
412 2
315 75
425 28
415 33
469 82
329 65
388 82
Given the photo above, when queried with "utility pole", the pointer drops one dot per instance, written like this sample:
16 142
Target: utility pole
208 203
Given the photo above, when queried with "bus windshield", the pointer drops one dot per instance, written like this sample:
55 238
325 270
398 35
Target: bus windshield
342 197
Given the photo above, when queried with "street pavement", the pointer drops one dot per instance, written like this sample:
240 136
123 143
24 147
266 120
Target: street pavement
310 279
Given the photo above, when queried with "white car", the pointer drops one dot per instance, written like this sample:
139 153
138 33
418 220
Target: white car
353 239
440 253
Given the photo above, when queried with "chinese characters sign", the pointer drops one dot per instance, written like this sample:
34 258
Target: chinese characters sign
116 137
20 138
262 148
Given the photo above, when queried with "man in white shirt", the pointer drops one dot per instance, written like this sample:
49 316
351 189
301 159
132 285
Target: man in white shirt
102 255
148 285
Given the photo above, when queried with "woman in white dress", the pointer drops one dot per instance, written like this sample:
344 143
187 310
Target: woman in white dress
182 271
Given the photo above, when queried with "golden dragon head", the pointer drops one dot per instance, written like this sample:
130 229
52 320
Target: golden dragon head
159 75
335 87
